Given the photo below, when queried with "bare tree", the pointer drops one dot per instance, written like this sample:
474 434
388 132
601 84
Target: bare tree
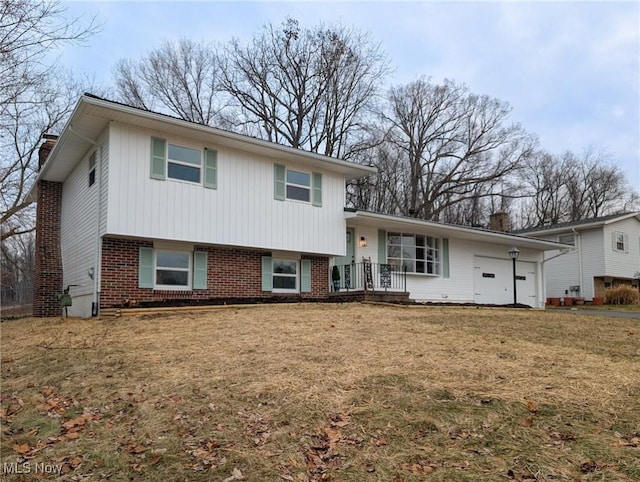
570 187
306 88
454 146
32 99
180 78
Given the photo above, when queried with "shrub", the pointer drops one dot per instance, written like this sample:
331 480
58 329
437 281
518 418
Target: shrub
622 295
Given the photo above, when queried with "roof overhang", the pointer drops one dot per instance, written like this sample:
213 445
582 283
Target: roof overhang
388 222
92 115
585 226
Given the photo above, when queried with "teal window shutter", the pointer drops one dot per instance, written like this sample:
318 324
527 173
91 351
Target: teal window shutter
279 173
200 270
211 168
382 246
158 158
445 258
305 276
267 274
317 189
145 268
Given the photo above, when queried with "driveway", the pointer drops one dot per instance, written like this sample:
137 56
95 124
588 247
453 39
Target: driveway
613 314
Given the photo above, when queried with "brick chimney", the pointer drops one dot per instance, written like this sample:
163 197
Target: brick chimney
499 221
48 262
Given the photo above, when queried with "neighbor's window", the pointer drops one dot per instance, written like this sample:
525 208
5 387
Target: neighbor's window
92 169
173 270
184 163
298 185
619 242
567 239
285 275
416 253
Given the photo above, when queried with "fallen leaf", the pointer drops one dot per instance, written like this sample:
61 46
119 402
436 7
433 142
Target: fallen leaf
72 435
7 359
532 406
21 449
526 421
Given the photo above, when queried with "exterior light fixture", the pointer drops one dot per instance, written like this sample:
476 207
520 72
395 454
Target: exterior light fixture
363 242
513 254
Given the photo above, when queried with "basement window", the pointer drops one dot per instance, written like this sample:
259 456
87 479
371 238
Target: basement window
173 270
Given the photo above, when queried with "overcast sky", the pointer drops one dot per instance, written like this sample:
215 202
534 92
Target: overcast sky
570 70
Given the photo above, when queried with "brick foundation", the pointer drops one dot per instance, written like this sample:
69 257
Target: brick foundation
233 274
48 259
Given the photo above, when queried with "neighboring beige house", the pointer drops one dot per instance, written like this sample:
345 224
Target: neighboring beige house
606 254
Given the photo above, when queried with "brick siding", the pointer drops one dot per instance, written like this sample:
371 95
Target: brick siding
48 260
232 274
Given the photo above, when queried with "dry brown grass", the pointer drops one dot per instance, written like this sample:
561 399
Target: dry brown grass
325 392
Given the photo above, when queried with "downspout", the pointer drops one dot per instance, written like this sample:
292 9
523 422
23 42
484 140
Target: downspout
578 239
96 261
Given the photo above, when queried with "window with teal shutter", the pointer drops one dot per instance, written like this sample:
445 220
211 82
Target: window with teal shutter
200 270
305 276
211 168
267 274
317 189
145 267
158 158
445 258
382 246
279 185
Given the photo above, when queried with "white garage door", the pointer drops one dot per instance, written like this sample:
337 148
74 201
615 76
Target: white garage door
493 281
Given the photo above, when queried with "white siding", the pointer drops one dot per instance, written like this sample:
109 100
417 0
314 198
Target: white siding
458 287
562 272
242 211
617 264
79 223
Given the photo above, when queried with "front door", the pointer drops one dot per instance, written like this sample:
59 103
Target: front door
349 258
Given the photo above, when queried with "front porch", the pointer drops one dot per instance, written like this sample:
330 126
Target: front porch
368 281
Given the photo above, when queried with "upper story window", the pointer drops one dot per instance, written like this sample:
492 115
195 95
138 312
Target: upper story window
620 243
92 169
298 186
290 184
182 163
416 253
567 239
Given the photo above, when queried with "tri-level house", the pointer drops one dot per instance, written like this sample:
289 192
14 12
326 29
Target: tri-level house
136 208
606 254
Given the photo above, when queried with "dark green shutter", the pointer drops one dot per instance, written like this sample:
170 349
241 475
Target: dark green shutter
145 268
211 168
382 246
305 276
279 173
316 183
158 158
200 270
267 274
445 258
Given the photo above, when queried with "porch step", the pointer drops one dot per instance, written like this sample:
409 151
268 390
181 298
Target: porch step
379 296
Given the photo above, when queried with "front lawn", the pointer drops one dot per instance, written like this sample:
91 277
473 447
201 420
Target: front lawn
309 392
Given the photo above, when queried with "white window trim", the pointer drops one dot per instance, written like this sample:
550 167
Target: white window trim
436 262
625 247
274 274
302 186
200 167
160 287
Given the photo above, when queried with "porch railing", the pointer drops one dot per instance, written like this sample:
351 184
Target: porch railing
370 277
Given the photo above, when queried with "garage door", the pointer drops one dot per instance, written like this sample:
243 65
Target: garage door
493 281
